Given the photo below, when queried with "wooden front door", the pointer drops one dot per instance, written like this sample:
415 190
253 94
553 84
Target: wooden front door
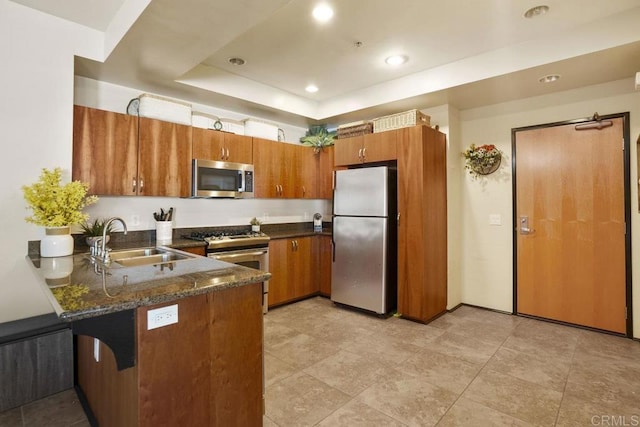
571 246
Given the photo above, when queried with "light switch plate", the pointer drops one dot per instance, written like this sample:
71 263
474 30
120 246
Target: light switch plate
495 219
160 317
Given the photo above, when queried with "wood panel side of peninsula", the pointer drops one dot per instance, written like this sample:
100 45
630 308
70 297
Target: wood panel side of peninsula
205 370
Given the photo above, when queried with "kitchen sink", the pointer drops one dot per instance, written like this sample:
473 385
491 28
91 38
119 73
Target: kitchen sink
146 256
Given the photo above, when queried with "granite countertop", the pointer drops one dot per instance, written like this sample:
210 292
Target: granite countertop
79 288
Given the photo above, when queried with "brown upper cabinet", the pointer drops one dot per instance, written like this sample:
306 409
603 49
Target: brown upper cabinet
123 155
292 171
370 148
314 173
164 158
325 172
273 170
222 146
105 151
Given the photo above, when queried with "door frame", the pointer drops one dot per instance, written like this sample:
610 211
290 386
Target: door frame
627 210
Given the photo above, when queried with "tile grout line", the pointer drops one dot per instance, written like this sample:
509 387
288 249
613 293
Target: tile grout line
472 380
566 381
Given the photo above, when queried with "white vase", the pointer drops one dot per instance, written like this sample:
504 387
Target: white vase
57 271
56 242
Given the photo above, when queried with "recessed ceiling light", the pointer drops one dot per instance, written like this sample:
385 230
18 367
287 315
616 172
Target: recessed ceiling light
536 11
549 78
236 61
322 12
311 88
396 59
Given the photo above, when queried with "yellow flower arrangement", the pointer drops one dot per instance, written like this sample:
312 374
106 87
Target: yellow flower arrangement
70 297
56 205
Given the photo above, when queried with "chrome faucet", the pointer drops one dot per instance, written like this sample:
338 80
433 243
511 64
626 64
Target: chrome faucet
103 252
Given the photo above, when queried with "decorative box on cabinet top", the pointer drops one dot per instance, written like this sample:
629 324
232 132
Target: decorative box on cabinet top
400 120
169 110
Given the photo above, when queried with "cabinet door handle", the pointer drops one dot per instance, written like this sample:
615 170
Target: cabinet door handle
227 153
281 190
398 218
364 154
360 154
304 191
141 184
134 185
296 242
293 246
221 153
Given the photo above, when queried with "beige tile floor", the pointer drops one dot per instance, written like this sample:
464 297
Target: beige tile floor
330 366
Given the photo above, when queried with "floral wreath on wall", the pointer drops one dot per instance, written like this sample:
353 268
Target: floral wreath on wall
482 160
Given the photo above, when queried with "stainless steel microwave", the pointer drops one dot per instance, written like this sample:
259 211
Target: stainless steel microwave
221 179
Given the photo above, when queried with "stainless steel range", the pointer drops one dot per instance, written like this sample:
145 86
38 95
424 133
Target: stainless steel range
238 246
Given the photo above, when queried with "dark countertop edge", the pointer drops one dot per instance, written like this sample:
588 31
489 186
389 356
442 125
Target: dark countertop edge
20 329
301 233
70 316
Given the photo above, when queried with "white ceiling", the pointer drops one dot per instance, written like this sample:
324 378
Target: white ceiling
96 14
466 53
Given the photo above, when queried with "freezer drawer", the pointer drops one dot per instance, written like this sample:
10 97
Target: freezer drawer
358 275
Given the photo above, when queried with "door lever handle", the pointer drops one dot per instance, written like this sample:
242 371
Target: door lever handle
524 226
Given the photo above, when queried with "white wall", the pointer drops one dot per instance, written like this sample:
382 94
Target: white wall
487 250
36 87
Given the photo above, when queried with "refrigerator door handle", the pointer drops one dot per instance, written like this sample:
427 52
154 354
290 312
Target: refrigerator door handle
333 250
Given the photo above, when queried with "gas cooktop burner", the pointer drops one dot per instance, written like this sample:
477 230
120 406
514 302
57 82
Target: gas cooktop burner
219 235
230 238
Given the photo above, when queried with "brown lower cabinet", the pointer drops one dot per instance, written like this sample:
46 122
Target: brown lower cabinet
205 370
291 264
198 250
324 256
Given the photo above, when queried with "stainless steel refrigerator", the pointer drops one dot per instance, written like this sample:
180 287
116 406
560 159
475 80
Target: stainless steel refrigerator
364 269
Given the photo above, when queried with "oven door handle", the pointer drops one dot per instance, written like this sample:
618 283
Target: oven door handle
222 256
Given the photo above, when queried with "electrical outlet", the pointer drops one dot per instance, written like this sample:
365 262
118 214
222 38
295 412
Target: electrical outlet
135 220
160 317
